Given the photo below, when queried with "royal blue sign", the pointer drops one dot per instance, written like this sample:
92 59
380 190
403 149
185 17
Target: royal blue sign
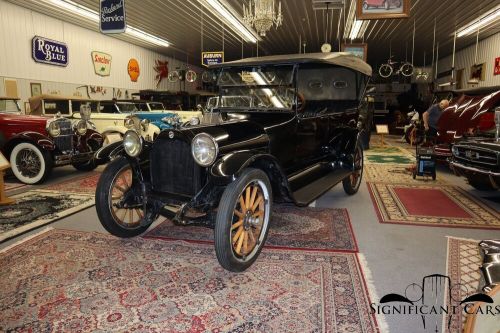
49 51
212 58
112 16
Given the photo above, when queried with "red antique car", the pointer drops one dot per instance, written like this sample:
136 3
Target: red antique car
35 144
387 4
471 112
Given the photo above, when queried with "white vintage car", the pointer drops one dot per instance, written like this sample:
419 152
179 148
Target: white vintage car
111 125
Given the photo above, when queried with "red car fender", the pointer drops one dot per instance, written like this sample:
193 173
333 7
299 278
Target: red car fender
34 137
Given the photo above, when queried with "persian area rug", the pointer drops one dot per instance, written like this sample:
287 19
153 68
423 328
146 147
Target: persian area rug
389 159
291 228
395 174
462 266
431 205
68 281
38 207
82 184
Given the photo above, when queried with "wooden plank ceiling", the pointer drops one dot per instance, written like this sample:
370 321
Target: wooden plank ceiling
180 22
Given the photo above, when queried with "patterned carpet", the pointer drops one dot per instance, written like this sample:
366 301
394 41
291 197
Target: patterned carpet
463 261
13 185
395 174
389 159
82 184
67 281
291 227
36 208
431 205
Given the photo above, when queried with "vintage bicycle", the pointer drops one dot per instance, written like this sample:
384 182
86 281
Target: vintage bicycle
387 69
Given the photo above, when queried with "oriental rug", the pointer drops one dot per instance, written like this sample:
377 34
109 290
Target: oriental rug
389 159
291 227
462 266
68 281
431 205
395 174
83 184
36 208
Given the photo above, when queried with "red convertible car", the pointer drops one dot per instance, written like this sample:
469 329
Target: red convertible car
35 144
471 112
387 4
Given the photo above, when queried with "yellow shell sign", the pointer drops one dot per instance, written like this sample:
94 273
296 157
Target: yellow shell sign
133 69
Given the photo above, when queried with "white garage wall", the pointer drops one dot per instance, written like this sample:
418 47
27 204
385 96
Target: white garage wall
19 25
488 50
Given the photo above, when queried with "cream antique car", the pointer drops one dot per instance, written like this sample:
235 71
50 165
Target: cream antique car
111 125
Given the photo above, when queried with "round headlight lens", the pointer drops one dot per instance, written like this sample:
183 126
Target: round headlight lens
81 127
54 129
132 143
145 124
204 149
194 121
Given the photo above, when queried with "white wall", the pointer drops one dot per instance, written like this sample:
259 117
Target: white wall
19 25
488 50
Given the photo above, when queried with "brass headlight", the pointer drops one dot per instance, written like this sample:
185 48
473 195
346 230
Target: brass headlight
81 127
132 143
204 149
54 129
145 124
194 121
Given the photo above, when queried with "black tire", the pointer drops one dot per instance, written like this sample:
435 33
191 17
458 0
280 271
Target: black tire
105 212
480 183
352 183
30 163
224 245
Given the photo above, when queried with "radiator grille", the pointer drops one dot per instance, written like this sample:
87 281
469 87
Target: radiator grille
476 156
173 169
64 142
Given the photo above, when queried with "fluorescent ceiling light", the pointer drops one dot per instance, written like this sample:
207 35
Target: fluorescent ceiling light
355 28
480 22
229 17
90 14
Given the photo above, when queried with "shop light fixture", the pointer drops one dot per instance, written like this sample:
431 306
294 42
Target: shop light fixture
355 29
481 22
90 14
217 7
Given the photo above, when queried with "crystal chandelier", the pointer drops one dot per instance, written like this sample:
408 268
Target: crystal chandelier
262 15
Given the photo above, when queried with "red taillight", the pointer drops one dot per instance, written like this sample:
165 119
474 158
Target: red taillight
486 121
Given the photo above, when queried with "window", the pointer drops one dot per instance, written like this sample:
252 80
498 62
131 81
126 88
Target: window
108 108
55 106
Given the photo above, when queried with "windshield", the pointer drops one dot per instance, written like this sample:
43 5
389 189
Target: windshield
256 87
9 105
156 106
126 107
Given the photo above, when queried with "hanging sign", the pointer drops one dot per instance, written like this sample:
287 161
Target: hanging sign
102 63
49 51
133 69
497 66
112 16
212 58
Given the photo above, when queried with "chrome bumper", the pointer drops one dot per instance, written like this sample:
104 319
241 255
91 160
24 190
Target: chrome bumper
72 158
461 169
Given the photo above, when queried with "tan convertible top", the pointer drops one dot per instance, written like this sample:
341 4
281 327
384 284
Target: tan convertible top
343 59
36 101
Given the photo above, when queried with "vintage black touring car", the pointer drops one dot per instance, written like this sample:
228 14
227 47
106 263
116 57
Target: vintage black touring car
296 138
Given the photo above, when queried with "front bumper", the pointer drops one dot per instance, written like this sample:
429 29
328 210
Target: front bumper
467 170
72 158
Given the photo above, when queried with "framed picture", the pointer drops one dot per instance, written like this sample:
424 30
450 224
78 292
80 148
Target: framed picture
36 89
477 72
382 9
359 50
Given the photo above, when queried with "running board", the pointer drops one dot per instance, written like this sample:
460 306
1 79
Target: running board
310 192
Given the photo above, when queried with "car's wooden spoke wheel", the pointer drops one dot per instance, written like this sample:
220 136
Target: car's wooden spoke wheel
358 167
248 219
127 217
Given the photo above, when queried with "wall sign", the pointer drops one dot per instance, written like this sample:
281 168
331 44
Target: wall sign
359 50
102 63
161 70
133 69
497 66
112 16
212 58
49 51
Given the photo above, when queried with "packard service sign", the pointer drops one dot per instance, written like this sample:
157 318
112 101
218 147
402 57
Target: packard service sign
48 51
112 16
102 63
212 58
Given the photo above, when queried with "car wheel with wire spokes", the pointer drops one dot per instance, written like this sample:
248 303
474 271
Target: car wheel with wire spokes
118 207
351 184
242 221
29 163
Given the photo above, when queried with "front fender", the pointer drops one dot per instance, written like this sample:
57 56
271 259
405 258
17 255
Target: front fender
161 125
34 137
115 149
